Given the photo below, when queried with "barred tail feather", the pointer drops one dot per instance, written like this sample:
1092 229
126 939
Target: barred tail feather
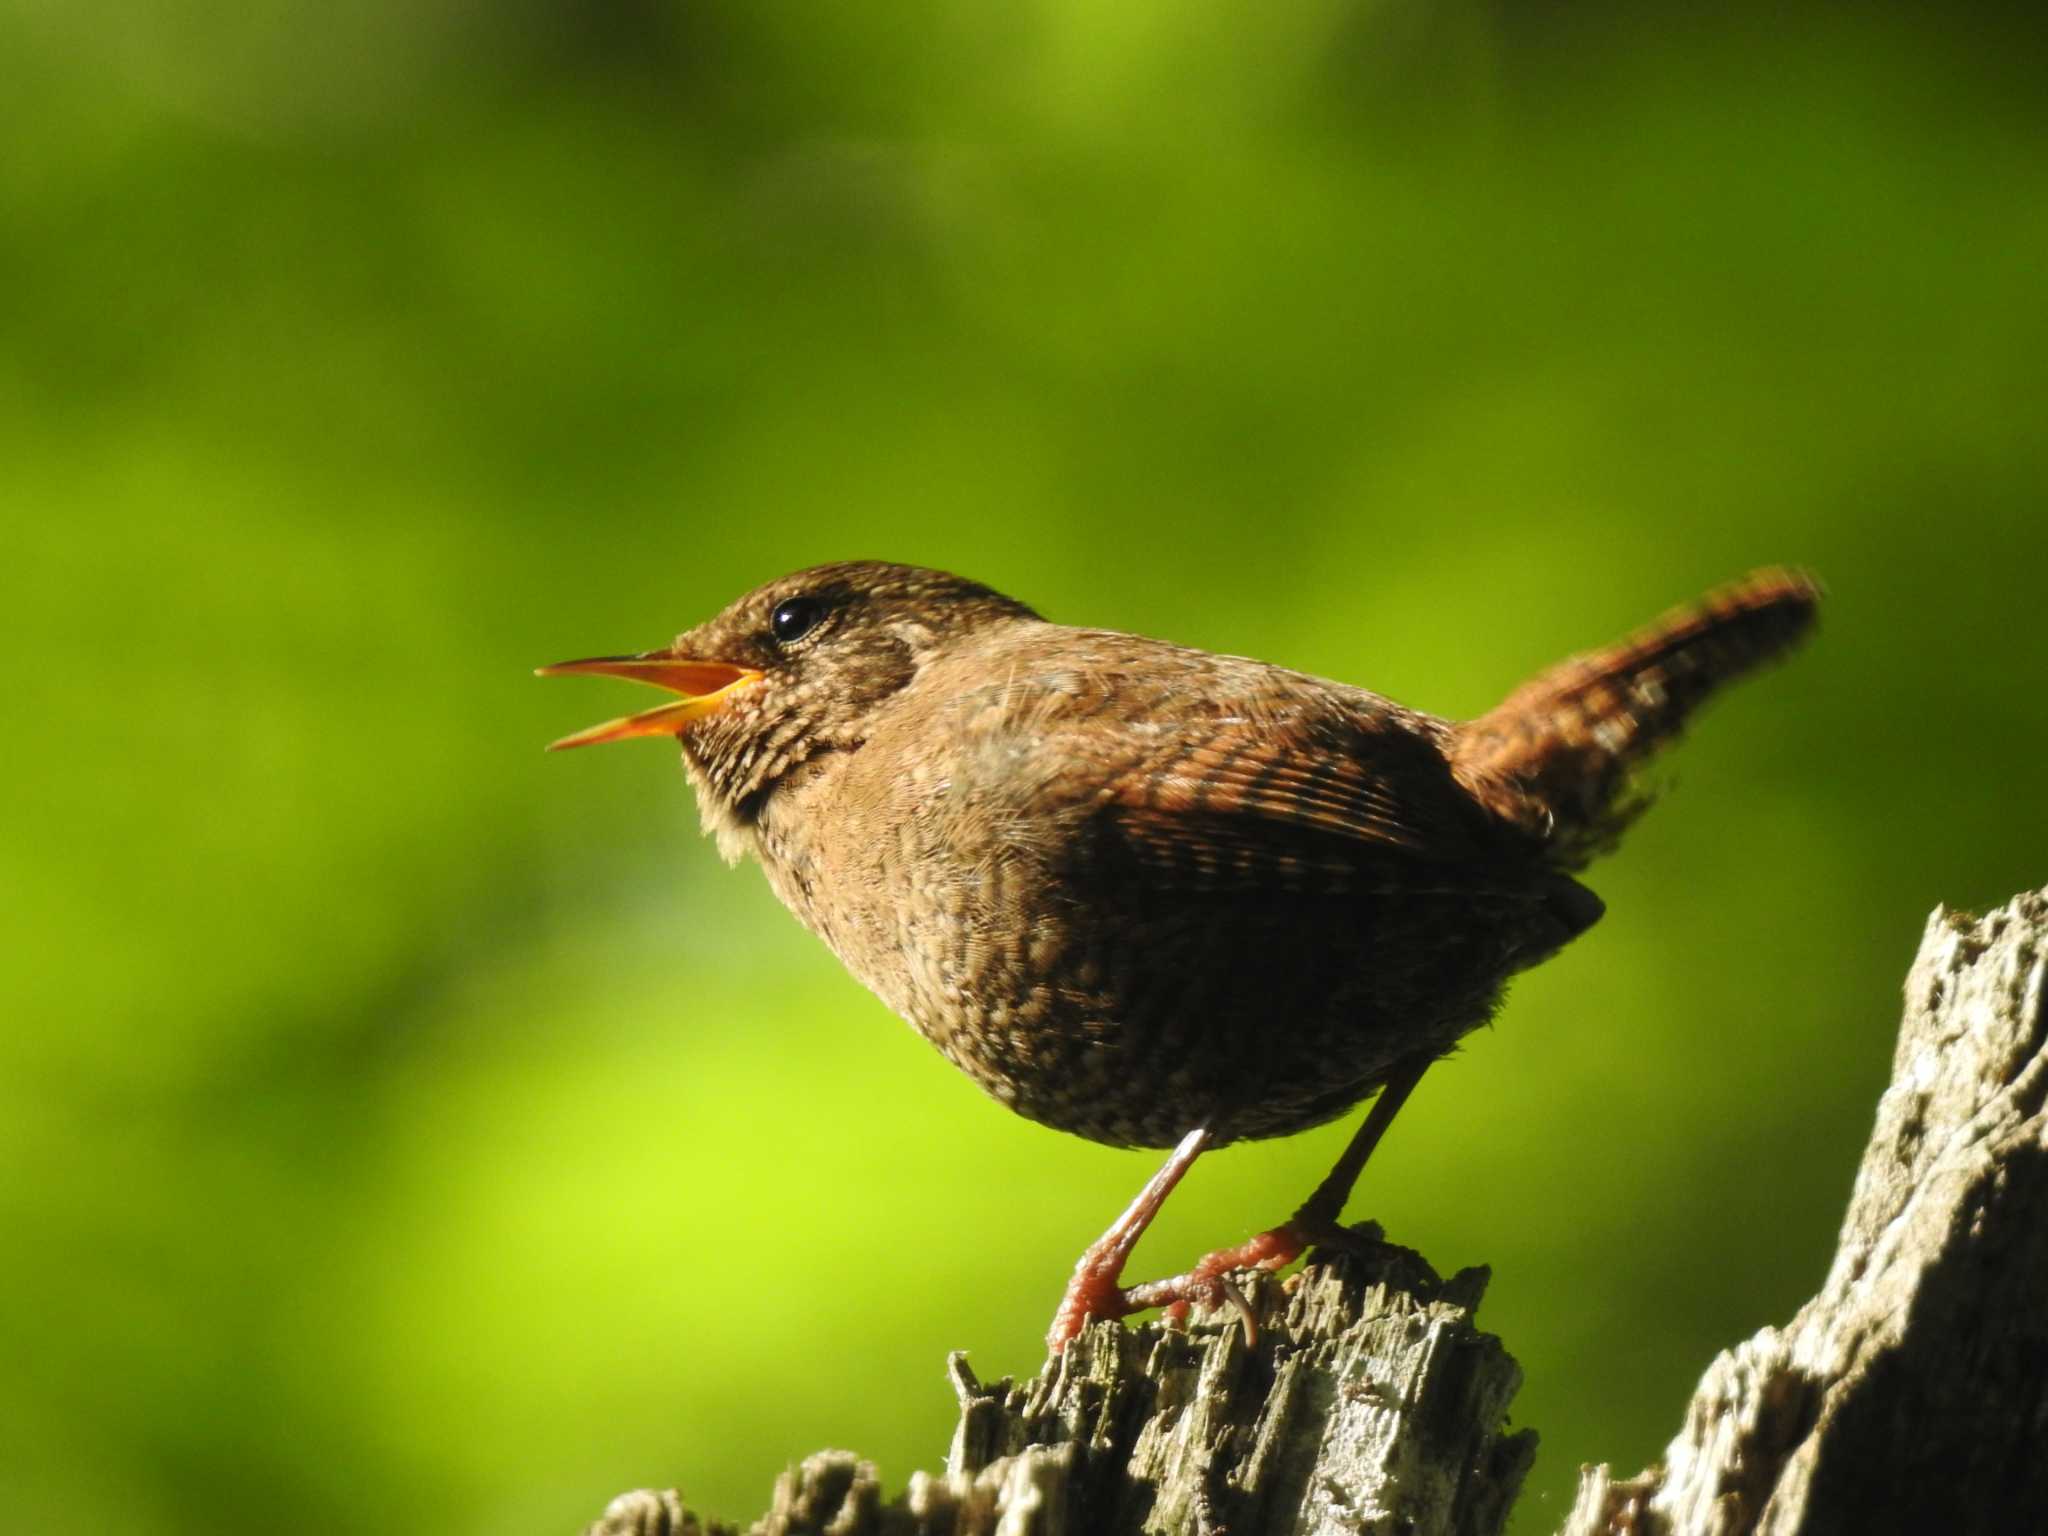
1555 755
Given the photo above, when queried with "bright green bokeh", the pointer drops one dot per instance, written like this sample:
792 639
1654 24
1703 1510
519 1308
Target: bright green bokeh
400 1129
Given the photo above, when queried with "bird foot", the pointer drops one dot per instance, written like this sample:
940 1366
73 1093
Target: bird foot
1097 1289
1099 1295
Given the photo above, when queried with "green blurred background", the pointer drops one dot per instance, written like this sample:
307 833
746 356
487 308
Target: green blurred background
400 1129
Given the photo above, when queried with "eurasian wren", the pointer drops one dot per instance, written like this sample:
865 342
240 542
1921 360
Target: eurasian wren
1155 896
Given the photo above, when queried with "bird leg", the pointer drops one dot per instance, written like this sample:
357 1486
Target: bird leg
1096 1289
1318 1215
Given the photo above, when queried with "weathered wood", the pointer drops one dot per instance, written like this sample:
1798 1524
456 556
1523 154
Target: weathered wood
1910 1395
1367 1403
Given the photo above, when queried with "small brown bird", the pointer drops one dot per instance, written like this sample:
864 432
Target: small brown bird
1154 896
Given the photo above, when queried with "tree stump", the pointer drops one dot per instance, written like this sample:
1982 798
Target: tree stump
1368 1401
1910 1395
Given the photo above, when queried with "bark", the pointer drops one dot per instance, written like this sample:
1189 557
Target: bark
1368 1402
1911 1394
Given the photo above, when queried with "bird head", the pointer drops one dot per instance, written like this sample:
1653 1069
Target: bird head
792 670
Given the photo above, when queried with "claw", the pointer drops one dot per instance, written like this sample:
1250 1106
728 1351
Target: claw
1245 1314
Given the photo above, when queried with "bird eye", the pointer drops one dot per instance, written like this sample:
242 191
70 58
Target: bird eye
794 619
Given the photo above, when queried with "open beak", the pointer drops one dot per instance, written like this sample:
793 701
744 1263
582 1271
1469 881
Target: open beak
704 685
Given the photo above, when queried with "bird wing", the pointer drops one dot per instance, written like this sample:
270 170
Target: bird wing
1325 803
1186 771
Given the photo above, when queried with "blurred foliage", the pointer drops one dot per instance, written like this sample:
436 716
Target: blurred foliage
402 1130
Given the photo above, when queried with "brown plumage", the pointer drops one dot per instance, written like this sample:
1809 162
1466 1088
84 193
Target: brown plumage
1554 756
1152 895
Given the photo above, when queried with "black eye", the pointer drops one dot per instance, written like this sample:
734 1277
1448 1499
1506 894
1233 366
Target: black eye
794 619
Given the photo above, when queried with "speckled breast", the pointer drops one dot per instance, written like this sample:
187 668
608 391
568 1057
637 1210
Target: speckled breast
1091 1005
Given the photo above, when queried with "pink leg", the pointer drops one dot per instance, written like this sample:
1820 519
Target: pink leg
1096 1289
